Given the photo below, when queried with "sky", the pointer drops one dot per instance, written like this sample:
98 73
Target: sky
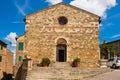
12 13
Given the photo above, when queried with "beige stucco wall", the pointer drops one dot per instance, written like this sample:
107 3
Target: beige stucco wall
81 33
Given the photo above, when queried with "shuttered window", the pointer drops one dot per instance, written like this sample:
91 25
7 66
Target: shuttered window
1 47
20 58
0 58
20 46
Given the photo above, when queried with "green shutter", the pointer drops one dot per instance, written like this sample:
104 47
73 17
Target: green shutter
1 47
20 46
20 58
0 58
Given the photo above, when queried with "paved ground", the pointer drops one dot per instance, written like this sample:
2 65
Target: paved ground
114 75
65 73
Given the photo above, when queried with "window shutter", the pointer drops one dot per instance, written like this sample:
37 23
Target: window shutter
0 58
20 47
1 47
20 58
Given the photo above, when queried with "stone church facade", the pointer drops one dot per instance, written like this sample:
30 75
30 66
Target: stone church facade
62 33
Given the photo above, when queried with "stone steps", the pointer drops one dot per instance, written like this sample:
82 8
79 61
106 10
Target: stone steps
61 64
52 73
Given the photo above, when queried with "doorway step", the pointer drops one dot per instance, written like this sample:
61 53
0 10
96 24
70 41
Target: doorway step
61 64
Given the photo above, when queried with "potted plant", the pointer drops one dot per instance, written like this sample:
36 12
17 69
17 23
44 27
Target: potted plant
45 62
76 62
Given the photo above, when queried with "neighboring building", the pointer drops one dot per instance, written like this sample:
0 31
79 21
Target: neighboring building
62 33
116 44
6 59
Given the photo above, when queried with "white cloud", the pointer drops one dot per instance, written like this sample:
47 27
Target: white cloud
13 50
54 1
14 58
114 16
12 47
101 25
106 25
14 55
97 7
116 36
22 8
109 24
17 22
11 38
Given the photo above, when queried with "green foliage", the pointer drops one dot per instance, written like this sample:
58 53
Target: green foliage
106 49
76 60
46 60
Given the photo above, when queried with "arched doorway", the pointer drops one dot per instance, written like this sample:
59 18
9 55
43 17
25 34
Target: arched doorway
61 50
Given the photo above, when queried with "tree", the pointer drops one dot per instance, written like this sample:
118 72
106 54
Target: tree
107 50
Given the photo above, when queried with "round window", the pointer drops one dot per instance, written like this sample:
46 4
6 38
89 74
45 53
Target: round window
62 20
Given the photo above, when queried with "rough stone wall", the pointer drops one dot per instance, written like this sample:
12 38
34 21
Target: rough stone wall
7 61
20 52
117 47
81 33
116 44
2 64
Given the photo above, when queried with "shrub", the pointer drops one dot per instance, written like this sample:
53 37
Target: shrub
46 60
76 60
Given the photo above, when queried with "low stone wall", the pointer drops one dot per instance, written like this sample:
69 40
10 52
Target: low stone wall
23 68
103 63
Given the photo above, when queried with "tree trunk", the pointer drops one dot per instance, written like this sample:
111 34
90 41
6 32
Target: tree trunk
108 54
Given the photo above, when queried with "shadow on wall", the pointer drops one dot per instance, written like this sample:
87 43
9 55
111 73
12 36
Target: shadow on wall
7 76
21 74
22 71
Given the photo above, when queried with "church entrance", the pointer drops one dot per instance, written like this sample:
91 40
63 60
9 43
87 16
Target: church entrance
61 56
61 52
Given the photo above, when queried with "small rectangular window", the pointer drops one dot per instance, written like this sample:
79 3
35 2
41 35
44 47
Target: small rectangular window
1 47
20 46
0 58
20 58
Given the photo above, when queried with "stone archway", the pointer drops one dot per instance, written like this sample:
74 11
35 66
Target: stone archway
61 50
